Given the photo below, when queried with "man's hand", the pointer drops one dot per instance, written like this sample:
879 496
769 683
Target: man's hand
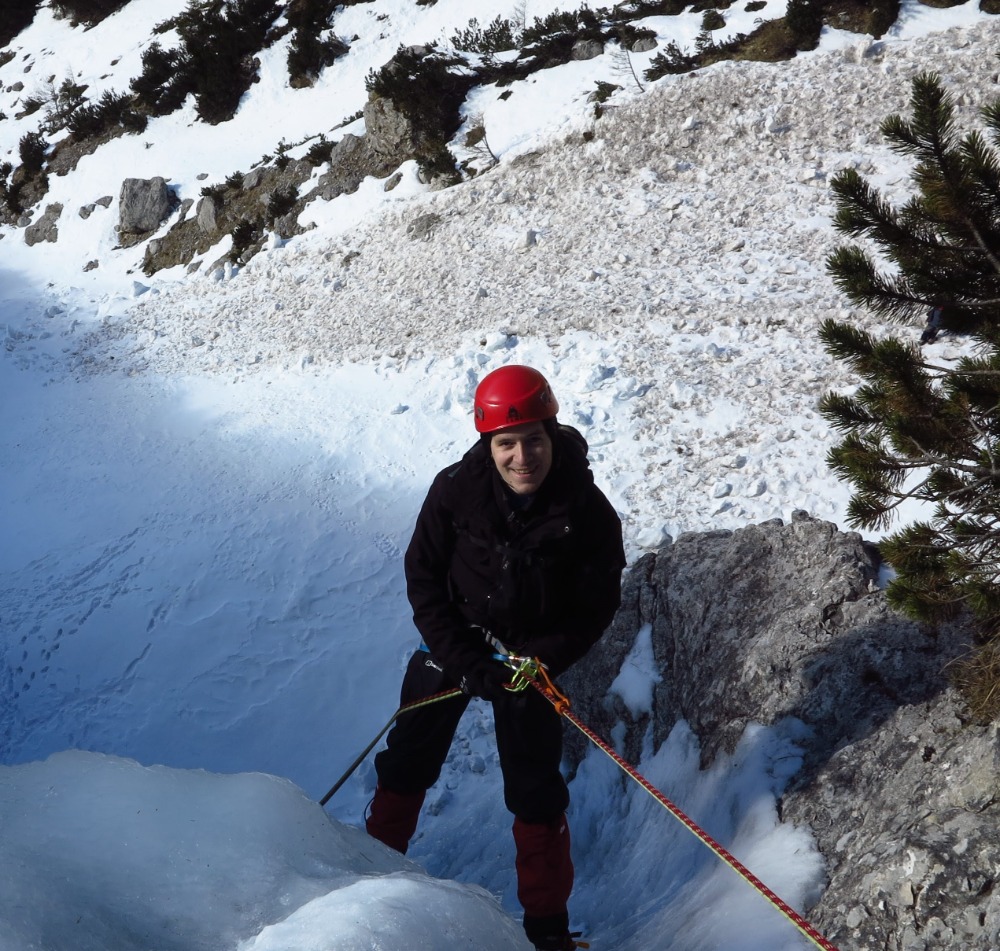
486 680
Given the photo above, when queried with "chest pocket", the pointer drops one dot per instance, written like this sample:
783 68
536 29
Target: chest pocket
517 584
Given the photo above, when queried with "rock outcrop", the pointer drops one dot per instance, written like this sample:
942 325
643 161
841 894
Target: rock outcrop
787 620
142 205
46 228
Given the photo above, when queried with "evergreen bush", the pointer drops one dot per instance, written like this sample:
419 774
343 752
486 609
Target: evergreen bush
712 20
30 105
671 60
499 36
319 152
244 234
281 201
314 46
919 429
90 12
580 24
32 150
804 20
162 85
15 15
112 111
215 60
428 88
62 103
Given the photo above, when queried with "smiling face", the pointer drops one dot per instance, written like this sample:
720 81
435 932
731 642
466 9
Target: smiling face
523 456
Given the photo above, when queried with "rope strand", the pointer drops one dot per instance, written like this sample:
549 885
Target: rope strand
561 704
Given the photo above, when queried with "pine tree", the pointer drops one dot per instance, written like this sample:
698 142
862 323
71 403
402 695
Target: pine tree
916 429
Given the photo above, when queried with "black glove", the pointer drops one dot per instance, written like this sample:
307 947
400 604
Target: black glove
486 680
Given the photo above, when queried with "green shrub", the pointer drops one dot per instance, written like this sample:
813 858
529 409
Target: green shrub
309 55
883 15
215 60
30 105
319 152
437 163
15 15
314 46
87 11
499 36
581 24
804 19
161 86
245 233
8 192
62 104
427 88
281 201
628 35
32 149
712 20
110 112
672 60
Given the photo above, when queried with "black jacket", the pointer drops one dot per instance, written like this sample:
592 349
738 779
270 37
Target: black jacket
545 580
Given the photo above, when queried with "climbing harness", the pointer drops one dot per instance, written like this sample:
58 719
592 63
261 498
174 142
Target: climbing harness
544 685
530 671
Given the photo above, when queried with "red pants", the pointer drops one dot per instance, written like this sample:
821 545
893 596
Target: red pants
543 863
529 741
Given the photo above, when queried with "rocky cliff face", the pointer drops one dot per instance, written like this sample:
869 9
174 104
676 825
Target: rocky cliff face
786 620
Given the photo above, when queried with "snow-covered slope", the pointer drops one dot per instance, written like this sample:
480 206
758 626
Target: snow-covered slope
207 481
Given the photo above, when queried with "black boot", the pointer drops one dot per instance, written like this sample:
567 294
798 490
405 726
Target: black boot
551 933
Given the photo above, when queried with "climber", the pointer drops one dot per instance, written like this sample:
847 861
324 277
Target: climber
515 551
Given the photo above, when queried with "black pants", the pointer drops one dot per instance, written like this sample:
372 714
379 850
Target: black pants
529 741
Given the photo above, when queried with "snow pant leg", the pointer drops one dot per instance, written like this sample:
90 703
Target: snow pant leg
529 741
393 817
416 749
544 874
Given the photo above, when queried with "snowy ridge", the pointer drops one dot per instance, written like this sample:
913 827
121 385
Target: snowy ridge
682 249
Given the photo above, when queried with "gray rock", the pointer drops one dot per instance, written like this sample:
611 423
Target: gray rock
643 45
422 227
586 49
207 213
389 134
350 164
142 205
45 228
253 178
898 788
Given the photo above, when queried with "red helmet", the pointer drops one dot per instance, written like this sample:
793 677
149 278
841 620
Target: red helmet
512 395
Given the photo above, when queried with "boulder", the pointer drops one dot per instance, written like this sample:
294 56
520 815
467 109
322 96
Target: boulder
142 204
207 214
778 621
389 134
45 228
586 49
